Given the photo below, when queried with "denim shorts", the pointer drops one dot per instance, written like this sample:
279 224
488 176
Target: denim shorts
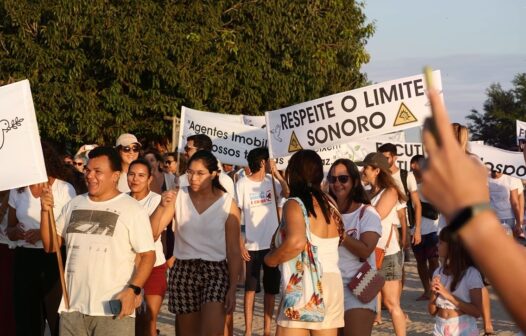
392 266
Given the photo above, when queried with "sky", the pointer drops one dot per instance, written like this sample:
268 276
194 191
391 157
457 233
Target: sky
473 43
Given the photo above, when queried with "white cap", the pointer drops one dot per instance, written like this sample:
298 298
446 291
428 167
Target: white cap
126 139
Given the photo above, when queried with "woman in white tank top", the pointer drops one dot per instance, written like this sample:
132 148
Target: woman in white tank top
202 284
308 216
384 195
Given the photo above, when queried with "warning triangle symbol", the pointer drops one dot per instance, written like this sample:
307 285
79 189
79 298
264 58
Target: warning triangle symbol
294 144
404 116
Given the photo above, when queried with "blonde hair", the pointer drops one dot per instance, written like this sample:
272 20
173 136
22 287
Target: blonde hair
462 134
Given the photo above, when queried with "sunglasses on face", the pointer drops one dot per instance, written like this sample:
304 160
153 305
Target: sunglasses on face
168 162
128 149
340 178
78 164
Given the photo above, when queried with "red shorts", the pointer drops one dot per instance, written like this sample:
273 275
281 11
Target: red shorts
156 283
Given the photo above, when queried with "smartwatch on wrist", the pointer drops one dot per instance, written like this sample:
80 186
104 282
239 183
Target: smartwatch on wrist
136 289
465 214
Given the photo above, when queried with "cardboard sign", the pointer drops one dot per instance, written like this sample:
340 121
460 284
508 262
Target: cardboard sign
357 114
232 140
506 162
20 148
357 150
521 131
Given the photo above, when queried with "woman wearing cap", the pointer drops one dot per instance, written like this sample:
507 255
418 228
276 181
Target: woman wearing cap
128 148
384 195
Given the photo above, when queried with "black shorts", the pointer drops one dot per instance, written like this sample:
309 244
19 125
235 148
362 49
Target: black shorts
428 247
271 275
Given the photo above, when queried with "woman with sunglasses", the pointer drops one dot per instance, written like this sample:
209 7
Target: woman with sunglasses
363 229
128 147
384 195
170 163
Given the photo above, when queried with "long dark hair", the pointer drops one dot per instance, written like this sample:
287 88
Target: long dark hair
211 164
358 193
385 180
457 260
305 174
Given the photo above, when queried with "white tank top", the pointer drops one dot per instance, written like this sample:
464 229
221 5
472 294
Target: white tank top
200 236
388 224
327 252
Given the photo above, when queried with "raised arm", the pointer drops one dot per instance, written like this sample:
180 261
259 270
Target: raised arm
163 215
452 189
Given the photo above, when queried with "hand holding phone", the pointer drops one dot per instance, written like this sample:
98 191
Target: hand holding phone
115 307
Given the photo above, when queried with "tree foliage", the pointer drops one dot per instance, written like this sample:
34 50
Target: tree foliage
101 67
496 125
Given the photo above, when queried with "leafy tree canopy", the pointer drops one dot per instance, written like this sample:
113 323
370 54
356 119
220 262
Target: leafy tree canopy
101 67
496 124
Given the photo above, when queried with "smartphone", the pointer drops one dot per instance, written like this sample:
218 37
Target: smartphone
115 307
430 123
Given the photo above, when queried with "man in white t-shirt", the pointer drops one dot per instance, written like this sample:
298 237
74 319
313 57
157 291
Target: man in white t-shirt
504 199
257 199
104 231
426 252
199 142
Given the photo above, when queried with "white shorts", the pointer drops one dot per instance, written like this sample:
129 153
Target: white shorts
463 325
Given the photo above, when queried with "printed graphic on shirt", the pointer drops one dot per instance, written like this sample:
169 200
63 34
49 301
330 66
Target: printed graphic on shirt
260 198
94 222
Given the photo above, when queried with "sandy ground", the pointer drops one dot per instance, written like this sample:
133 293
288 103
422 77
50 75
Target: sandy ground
421 322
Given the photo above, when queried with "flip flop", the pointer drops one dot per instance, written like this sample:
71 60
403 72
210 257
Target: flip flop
377 323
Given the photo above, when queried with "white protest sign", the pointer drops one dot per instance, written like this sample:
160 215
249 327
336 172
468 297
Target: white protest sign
362 113
390 137
256 121
357 150
232 140
521 130
22 162
506 162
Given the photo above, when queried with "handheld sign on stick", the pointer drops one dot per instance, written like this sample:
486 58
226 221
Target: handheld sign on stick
53 226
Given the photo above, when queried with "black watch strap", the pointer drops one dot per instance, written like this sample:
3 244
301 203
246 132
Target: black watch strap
136 289
464 215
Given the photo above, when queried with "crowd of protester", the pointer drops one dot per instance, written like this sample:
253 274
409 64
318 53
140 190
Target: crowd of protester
134 224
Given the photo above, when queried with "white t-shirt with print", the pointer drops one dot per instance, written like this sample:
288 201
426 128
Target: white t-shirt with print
471 280
355 227
102 240
28 207
388 226
499 193
428 225
256 201
150 203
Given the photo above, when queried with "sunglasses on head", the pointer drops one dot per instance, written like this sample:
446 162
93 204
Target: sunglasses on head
340 178
128 149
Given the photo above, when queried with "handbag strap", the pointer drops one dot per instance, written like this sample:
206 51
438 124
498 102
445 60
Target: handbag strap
389 239
305 217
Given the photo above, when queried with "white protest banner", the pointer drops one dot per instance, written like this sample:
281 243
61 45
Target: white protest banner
506 162
361 113
256 121
390 137
521 131
357 150
232 140
22 162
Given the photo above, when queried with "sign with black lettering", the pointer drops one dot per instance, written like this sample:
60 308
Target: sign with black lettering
521 131
506 162
231 138
348 116
20 148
